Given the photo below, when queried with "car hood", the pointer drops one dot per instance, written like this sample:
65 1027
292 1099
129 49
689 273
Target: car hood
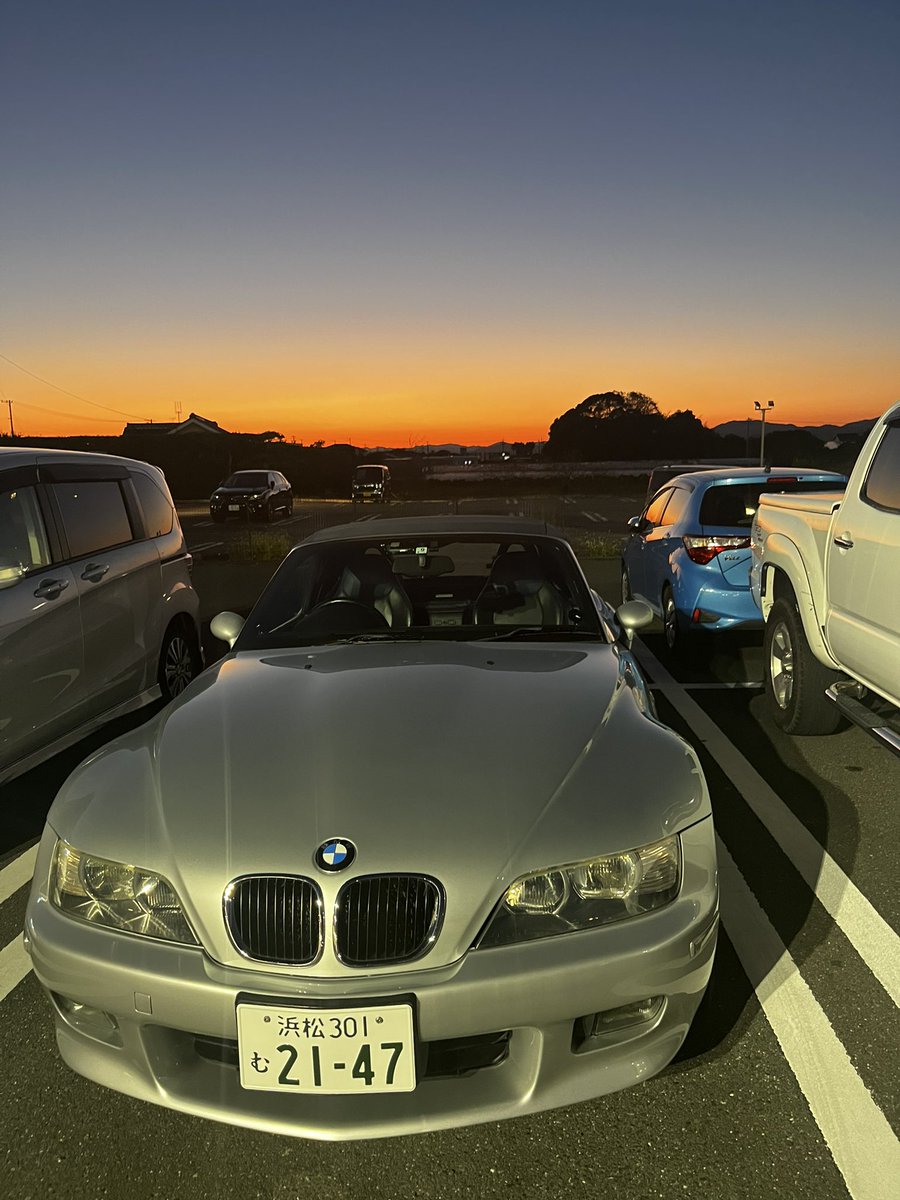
470 762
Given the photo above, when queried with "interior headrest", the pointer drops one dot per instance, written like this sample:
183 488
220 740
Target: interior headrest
520 569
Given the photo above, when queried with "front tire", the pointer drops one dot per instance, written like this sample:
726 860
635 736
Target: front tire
795 679
179 660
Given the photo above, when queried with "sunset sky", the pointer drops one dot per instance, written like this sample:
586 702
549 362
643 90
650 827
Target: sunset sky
399 223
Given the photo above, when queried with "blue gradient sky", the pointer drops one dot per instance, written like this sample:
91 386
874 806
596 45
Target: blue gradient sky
447 222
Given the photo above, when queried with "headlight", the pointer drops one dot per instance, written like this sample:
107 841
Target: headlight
585 894
119 896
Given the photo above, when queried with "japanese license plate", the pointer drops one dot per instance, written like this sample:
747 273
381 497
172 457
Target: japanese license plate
234 508
336 1050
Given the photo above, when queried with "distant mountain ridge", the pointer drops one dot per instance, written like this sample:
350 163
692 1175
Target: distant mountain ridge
447 448
825 433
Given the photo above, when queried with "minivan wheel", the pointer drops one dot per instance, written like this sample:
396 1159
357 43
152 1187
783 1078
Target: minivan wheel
179 661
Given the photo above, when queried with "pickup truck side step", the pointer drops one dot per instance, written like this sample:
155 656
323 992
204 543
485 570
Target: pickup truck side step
869 712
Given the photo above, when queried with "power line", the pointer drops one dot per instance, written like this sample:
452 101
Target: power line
74 395
56 413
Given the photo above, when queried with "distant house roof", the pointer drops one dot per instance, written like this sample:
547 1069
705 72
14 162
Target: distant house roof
192 424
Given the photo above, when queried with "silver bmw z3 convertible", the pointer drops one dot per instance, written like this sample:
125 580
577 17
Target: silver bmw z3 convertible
416 853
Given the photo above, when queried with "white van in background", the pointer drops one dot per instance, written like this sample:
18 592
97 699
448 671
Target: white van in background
371 481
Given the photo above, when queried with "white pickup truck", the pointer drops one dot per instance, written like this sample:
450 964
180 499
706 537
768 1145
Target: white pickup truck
825 572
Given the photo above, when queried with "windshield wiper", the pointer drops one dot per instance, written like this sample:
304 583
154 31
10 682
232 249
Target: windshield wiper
533 633
353 638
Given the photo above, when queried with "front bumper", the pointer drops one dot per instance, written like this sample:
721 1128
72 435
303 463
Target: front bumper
170 1002
239 507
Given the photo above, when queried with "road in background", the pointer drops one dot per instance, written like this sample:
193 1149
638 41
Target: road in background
598 515
787 1085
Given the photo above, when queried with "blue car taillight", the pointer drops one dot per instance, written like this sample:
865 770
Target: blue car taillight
704 549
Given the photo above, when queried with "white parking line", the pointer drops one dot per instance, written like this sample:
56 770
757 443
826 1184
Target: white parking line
14 966
714 687
868 932
856 1131
590 516
17 873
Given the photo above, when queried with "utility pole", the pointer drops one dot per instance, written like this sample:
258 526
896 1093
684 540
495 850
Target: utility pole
763 409
12 428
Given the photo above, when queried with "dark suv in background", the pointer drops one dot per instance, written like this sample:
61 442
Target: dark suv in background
256 495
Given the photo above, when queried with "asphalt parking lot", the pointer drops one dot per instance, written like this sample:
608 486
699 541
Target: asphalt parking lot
787 1085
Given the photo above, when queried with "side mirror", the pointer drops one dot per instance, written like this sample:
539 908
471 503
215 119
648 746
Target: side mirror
633 615
10 576
226 626
637 523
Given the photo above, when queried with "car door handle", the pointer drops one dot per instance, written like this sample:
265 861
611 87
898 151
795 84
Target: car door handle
50 588
845 542
94 572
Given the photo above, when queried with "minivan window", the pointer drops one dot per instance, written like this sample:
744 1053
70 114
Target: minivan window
155 505
883 482
23 538
93 515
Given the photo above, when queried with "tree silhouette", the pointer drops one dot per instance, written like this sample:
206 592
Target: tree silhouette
607 425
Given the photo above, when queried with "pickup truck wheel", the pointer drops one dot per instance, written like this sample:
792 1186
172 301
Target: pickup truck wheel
795 679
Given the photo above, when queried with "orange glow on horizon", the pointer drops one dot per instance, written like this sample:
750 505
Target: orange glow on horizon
471 399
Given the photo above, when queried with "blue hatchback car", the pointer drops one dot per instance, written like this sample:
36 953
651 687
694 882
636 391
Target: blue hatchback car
688 553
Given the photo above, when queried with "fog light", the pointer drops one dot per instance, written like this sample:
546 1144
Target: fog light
612 1020
92 1021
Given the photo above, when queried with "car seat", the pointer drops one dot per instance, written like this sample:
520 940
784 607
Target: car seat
518 593
368 579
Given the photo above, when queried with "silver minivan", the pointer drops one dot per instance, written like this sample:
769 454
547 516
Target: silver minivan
98 614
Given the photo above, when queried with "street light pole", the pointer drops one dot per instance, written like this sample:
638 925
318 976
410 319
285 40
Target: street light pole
763 409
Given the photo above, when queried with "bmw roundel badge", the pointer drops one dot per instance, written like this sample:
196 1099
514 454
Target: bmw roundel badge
335 854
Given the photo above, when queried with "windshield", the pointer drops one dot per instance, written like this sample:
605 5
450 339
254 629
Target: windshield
247 479
368 475
423 588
